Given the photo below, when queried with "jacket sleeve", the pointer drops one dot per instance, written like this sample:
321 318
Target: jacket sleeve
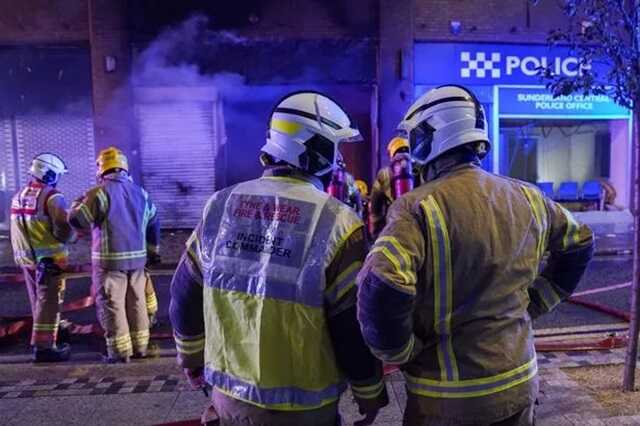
57 211
153 228
362 369
387 286
570 245
89 211
186 309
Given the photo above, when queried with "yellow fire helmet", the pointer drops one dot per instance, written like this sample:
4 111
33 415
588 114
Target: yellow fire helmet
362 187
111 158
395 144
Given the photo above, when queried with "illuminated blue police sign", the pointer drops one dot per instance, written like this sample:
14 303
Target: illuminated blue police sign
536 102
489 64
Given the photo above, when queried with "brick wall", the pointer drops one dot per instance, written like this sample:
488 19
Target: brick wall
43 21
112 97
488 20
309 19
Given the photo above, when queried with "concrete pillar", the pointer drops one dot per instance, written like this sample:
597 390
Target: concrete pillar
113 113
395 71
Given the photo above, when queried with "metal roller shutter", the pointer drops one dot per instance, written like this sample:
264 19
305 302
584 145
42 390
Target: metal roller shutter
7 175
178 146
68 135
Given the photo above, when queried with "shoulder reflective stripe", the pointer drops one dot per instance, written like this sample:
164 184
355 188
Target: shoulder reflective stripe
280 398
572 235
539 213
342 241
88 217
400 257
104 235
345 281
474 387
403 252
443 287
368 392
408 284
396 356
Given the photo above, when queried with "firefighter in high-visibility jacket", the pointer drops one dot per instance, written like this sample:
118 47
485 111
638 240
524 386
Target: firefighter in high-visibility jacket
263 302
126 236
387 186
452 284
39 233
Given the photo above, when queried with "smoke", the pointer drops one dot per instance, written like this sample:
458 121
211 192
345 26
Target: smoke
191 58
173 59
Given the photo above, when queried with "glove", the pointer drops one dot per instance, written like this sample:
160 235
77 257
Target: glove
195 376
153 259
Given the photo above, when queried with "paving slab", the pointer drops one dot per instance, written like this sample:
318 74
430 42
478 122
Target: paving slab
133 409
57 410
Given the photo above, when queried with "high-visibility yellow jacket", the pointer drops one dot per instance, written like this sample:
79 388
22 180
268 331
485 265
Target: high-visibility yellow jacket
123 222
39 227
450 287
264 296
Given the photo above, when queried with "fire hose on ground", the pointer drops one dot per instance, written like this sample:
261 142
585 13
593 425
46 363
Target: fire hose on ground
16 326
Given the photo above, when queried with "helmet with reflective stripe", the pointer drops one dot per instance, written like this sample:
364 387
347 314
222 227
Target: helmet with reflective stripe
47 168
442 119
396 144
305 129
110 159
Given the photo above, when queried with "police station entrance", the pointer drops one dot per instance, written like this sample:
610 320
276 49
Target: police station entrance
576 148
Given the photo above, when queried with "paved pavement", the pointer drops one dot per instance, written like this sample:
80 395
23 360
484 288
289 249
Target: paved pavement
154 392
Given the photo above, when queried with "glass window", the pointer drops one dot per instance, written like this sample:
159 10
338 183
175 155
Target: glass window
567 151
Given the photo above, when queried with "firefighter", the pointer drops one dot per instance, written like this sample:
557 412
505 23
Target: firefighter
39 233
126 234
383 192
263 299
342 186
452 284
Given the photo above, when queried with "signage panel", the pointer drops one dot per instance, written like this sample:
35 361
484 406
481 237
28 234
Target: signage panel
488 64
527 101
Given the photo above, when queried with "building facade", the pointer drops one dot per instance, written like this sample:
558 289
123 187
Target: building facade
186 88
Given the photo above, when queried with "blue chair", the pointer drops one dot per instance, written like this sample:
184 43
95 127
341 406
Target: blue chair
568 191
546 188
592 190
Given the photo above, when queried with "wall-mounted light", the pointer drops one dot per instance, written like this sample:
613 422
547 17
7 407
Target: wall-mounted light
585 25
455 27
110 63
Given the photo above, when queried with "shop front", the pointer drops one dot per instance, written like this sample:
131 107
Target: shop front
575 147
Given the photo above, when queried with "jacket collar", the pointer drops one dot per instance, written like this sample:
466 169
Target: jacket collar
288 172
450 163
120 176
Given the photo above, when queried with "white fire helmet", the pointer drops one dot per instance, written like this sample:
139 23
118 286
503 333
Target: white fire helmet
48 168
305 129
442 119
